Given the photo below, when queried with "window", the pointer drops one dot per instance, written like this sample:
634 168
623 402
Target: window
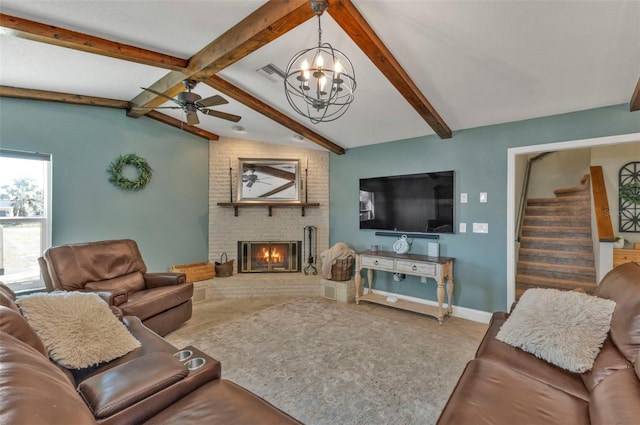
25 217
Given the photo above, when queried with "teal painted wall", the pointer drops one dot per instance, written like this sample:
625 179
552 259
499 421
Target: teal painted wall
479 158
168 219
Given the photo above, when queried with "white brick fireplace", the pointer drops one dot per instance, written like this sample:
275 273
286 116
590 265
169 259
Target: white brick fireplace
285 224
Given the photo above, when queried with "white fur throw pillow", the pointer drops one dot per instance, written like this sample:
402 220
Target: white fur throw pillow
78 329
564 328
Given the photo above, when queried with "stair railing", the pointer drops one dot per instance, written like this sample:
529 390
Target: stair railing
601 205
525 190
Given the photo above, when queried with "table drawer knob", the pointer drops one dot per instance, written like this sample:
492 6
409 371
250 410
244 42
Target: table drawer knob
375 262
414 268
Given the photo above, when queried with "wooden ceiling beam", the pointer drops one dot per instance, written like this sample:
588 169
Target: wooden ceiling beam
57 36
265 24
173 122
278 189
634 104
274 172
257 105
51 96
36 31
353 23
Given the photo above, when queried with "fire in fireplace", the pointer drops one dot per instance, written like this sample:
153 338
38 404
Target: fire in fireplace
269 257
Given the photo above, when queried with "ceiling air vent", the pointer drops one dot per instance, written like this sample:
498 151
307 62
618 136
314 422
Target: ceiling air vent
270 72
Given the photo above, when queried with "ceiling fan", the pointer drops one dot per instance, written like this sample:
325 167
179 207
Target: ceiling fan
251 179
191 103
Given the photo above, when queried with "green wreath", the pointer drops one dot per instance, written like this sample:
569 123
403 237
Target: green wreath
116 177
630 192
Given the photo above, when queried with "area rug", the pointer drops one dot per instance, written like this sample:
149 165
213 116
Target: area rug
327 365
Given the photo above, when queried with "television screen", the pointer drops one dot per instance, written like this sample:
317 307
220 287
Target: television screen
408 203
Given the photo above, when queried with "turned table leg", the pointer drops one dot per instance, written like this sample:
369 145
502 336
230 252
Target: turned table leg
358 279
450 294
440 299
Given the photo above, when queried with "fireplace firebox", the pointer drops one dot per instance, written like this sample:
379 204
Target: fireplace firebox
269 256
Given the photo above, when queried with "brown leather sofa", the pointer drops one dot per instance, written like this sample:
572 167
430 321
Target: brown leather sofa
146 386
115 270
505 385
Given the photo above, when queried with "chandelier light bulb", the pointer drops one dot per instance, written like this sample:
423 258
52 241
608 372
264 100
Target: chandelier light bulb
322 81
338 67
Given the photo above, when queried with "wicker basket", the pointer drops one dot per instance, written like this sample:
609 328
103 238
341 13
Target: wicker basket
342 269
194 271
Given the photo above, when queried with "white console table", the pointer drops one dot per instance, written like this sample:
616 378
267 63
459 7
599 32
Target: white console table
438 268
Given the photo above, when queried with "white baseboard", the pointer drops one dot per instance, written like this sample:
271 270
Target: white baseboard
461 312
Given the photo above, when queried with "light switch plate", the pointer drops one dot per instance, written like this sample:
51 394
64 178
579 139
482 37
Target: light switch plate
480 227
463 227
483 197
463 198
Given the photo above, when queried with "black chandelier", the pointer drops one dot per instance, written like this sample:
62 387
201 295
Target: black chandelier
320 81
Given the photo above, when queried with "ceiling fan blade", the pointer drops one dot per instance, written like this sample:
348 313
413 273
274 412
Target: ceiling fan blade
212 101
157 107
192 119
161 95
223 115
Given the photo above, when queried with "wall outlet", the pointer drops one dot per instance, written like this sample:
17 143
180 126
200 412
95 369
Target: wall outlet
463 227
463 198
423 279
480 227
483 197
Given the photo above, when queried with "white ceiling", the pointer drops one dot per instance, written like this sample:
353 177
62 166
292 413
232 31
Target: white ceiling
477 62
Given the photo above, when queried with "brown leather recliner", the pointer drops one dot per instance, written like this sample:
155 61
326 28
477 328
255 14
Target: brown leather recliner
115 270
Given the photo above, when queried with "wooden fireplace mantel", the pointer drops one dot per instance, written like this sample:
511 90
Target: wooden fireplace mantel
269 205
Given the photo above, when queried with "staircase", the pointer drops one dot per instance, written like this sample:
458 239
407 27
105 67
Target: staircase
556 249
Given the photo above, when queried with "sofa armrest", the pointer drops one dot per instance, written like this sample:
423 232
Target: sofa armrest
114 390
156 280
114 297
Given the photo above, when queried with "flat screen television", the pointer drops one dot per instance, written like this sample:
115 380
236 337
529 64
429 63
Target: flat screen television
408 203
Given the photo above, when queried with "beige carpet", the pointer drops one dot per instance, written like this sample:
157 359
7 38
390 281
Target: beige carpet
328 365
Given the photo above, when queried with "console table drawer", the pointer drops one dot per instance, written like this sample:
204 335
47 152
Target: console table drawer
416 268
377 263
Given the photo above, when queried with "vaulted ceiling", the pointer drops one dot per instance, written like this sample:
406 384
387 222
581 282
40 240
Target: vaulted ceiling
422 67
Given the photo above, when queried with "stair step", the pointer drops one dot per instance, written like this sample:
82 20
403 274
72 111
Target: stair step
524 282
558 220
564 200
571 191
584 259
557 271
557 231
557 244
558 210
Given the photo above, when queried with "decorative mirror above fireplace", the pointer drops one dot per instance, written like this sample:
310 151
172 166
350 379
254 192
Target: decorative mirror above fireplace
268 180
